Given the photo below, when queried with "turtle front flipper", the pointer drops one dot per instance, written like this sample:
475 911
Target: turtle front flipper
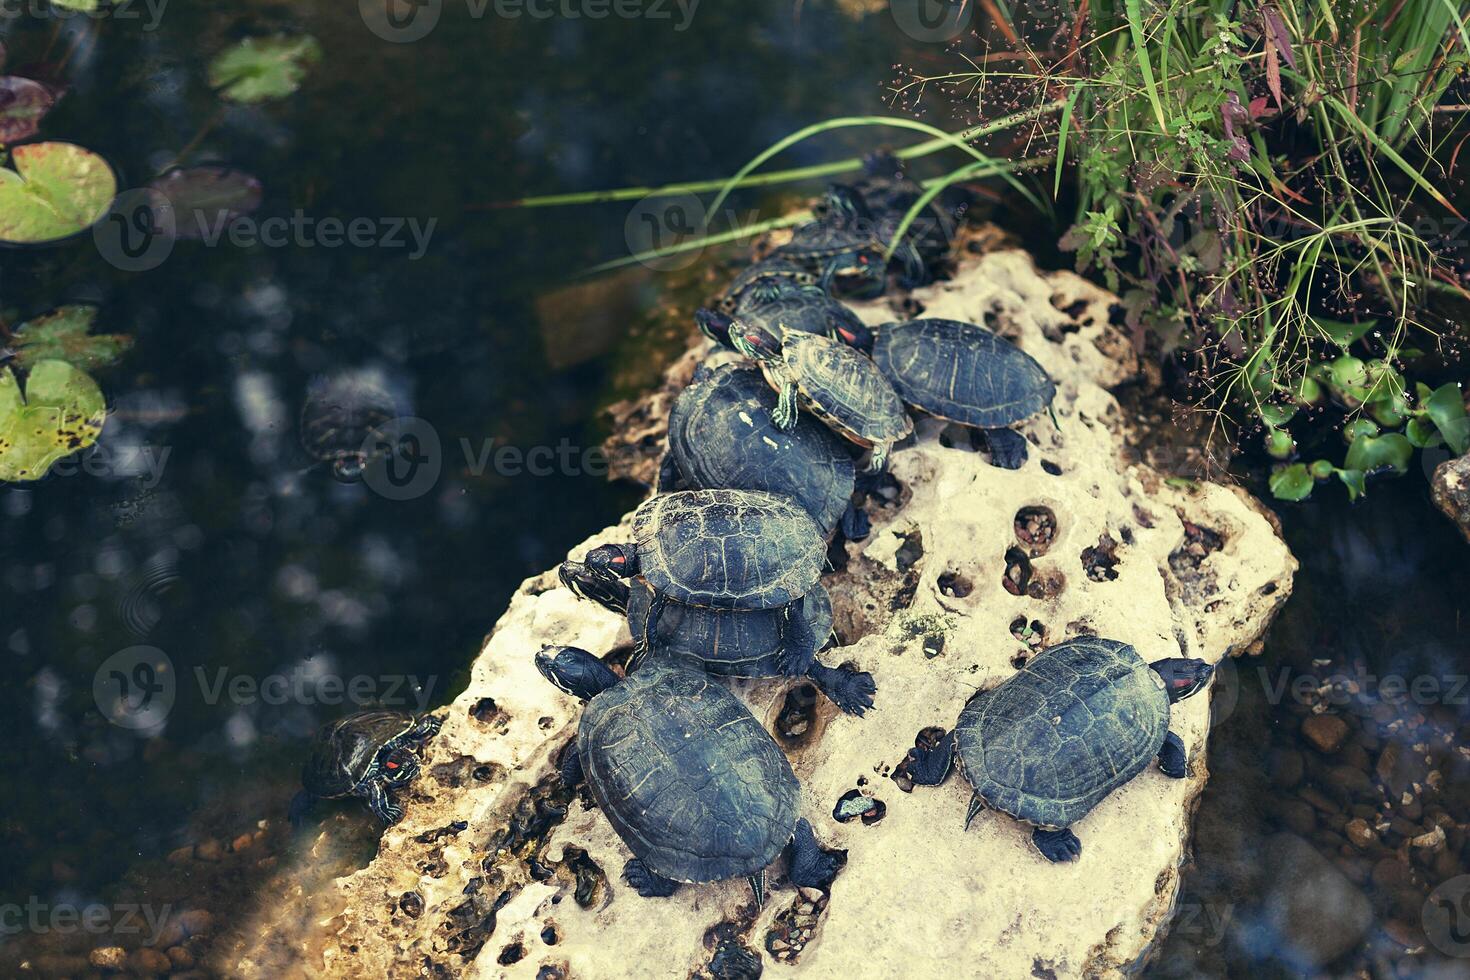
570 770
424 729
878 462
784 414
855 523
378 801
668 474
850 689
1173 760
930 766
799 643
811 865
1007 448
645 882
1057 845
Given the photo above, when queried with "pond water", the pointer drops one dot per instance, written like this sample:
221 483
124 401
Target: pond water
201 541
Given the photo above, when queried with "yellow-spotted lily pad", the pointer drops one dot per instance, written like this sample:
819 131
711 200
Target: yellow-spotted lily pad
60 412
55 191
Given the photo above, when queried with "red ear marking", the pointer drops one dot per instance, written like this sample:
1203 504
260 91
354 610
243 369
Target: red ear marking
846 334
619 559
392 765
751 338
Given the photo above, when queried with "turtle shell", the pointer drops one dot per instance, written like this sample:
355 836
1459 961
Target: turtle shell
341 413
962 372
783 304
845 389
721 435
1079 720
765 276
728 549
728 642
345 749
688 778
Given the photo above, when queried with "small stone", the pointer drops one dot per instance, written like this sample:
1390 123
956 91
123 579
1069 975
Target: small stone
1350 781
242 842
1319 800
171 934
1286 768
1406 934
181 855
1433 841
210 850
1392 873
109 958
149 962
1325 732
812 895
1360 834
196 922
180 957
1298 816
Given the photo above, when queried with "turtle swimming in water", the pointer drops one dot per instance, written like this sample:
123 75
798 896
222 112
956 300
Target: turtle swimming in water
962 373
1078 721
721 436
346 421
732 642
686 775
718 549
364 754
830 379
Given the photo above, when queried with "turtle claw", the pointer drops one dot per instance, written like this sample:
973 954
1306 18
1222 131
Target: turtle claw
1057 846
645 882
855 523
851 690
930 766
1173 761
1007 448
811 865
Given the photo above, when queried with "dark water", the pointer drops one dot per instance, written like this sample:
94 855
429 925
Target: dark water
254 579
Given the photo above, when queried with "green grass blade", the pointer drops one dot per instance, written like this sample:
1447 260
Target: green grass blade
1145 65
1388 151
1056 188
723 238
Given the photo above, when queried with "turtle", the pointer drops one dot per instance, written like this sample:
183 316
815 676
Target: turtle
346 421
962 373
786 303
718 549
364 754
882 198
835 383
733 642
721 436
1078 721
686 775
764 279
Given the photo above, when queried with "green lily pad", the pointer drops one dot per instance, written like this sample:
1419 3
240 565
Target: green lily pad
61 411
1292 483
1373 453
1423 434
1354 481
55 191
259 69
23 103
1446 407
85 6
1340 333
65 335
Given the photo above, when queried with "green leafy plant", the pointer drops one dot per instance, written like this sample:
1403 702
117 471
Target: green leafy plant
66 335
60 411
260 69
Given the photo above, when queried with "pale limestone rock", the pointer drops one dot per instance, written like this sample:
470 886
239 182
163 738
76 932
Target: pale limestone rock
1178 569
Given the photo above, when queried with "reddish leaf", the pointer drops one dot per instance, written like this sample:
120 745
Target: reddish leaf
206 199
23 103
1273 74
1257 107
1277 35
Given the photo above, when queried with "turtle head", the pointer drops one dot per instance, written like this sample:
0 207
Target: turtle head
844 202
714 325
601 586
612 560
754 341
575 672
854 335
398 765
1182 677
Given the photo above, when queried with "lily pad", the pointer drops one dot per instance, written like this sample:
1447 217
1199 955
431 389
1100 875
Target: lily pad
1292 483
55 191
23 104
259 69
60 412
1373 454
65 335
1447 408
85 6
206 199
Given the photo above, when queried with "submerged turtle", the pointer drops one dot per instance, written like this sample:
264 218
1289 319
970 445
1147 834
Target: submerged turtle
721 436
364 754
1079 720
962 373
882 197
733 642
718 549
346 422
686 775
834 382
